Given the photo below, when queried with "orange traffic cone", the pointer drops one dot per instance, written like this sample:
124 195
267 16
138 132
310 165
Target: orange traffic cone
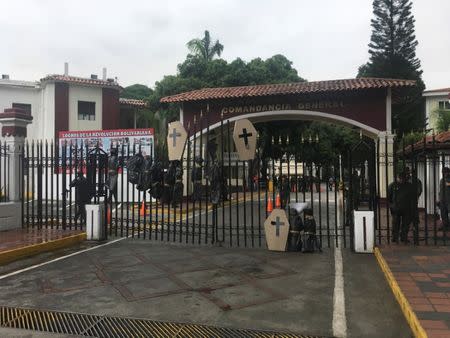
142 209
269 204
108 215
278 201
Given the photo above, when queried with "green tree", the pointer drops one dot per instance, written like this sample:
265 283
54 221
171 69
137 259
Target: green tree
442 117
198 71
136 91
205 48
392 50
195 73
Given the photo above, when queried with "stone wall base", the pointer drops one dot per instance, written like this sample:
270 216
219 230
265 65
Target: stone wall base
10 216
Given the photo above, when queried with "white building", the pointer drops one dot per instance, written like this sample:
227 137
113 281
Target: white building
69 103
436 99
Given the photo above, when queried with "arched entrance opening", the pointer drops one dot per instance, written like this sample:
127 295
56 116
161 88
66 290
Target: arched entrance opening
300 115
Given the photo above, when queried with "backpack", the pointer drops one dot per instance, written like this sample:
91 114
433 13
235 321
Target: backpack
134 167
145 177
156 174
296 225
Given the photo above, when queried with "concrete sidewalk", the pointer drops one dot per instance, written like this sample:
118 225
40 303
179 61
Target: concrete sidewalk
226 287
19 243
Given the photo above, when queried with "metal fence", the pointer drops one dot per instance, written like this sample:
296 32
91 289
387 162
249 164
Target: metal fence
4 171
186 202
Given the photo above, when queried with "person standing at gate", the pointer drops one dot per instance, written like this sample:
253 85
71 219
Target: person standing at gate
401 206
317 183
444 197
285 191
82 195
356 189
113 171
417 188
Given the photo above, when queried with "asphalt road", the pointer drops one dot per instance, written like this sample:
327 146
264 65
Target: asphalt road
228 287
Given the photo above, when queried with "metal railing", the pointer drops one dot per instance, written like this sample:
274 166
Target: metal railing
4 171
221 200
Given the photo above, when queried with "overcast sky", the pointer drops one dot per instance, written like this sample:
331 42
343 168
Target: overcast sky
141 41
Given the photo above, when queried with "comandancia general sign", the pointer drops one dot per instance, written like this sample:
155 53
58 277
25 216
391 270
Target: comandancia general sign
313 105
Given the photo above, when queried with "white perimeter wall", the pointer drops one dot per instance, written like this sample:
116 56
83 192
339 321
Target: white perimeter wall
90 94
44 127
49 192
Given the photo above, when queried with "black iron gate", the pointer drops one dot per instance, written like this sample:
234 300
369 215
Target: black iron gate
211 197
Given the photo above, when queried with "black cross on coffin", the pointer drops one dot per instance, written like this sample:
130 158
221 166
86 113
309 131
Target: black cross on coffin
245 136
278 224
174 136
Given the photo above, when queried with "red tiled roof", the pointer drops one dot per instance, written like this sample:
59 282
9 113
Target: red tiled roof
133 103
438 90
441 142
80 80
287 89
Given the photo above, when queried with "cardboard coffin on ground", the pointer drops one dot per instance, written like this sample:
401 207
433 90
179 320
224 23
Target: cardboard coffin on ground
276 228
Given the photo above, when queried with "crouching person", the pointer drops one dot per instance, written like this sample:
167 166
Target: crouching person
310 240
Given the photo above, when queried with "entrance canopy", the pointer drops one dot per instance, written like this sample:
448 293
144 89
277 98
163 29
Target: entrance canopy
364 103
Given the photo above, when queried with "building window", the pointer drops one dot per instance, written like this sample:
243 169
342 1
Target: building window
86 110
444 105
24 106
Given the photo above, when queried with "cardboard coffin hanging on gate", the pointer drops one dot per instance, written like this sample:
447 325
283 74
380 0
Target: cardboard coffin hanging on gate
276 228
176 139
244 136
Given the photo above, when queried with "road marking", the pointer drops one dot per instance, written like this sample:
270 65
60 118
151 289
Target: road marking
59 258
339 319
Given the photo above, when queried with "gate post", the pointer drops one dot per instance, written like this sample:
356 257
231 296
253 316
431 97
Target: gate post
14 129
385 161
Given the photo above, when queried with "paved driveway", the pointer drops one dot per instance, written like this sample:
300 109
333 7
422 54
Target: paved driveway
244 288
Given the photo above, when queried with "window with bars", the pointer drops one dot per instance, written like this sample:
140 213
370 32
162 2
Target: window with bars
444 105
86 110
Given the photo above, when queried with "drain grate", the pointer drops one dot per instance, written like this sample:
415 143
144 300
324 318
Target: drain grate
105 326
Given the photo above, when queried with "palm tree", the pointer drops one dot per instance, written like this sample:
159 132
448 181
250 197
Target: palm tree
204 48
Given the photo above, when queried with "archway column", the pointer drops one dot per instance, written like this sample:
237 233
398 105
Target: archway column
385 167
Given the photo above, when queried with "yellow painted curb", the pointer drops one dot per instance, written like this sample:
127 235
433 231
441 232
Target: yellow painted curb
171 211
18 253
409 314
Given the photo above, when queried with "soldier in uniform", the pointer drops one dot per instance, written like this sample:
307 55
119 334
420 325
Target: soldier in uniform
317 183
285 191
417 188
177 194
444 197
215 180
196 179
82 195
401 203
169 182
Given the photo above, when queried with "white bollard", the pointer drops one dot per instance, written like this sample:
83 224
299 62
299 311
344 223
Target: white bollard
364 231
95 222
